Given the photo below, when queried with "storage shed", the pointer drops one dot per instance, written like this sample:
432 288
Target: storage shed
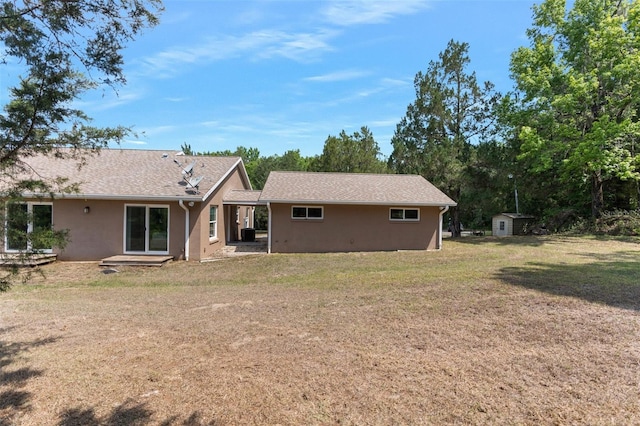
506 224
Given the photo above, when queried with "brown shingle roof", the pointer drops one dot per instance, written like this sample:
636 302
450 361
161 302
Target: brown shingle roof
352 188
137 174
242 196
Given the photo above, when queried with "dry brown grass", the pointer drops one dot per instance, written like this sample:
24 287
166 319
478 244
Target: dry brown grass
513 331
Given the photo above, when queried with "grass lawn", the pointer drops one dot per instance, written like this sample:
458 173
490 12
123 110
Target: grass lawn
511 331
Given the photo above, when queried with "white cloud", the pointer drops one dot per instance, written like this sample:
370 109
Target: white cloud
385 122
396 82
338 76
300 47
211 123
355 12
176 100
103 100
157 130
266 44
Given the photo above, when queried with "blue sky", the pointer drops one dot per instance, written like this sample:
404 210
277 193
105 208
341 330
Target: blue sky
281 75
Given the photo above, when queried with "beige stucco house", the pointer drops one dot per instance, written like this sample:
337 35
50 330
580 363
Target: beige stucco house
140 202
159 203
327 212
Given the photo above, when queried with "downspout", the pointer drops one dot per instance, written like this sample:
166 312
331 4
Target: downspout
443 210
269 227
186 229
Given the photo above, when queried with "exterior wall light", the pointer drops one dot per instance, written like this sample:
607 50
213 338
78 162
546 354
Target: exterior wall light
86 210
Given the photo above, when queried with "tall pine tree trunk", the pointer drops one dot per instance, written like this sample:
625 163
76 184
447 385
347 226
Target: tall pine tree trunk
597 194
455 216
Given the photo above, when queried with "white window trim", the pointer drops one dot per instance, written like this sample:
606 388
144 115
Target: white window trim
404 214
307 212
30 205
146 243
213 237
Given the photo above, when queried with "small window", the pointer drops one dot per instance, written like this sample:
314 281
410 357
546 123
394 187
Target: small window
213 222
411 214
502 225
314 212
299 212
404 214
397 214
303 212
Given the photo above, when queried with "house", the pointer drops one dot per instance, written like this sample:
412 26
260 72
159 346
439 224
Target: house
506 224
329 212
138 202
162 204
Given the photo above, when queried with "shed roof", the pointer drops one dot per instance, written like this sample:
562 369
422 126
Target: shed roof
352 188
516 215
138 174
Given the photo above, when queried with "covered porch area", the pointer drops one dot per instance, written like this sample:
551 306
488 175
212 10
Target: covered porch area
240 218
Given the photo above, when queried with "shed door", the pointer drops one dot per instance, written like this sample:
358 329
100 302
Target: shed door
501 230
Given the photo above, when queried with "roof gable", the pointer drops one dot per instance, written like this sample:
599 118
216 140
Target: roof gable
139 174
352 188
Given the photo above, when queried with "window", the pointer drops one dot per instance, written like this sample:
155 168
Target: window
404 214
213 222
502 225
305 212
27 226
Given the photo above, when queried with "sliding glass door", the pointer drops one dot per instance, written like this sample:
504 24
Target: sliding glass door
146 229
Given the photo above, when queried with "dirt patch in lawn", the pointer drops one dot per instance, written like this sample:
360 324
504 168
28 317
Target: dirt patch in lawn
493 331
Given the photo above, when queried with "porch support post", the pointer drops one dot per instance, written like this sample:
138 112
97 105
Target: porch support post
269 227
443 210
186 229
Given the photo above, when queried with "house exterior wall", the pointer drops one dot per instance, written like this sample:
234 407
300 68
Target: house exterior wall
92 235
351 228
203 247
100 233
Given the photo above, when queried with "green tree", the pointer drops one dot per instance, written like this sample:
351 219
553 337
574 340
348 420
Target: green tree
65 48
186 149
250 157
356 153
488 190
451 113
289 161
578 87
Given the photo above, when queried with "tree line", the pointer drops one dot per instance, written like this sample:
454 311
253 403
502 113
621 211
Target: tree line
354 153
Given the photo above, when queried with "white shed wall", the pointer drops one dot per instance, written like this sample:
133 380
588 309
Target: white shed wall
495 228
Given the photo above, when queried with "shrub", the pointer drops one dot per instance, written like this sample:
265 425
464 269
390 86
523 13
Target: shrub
619 222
